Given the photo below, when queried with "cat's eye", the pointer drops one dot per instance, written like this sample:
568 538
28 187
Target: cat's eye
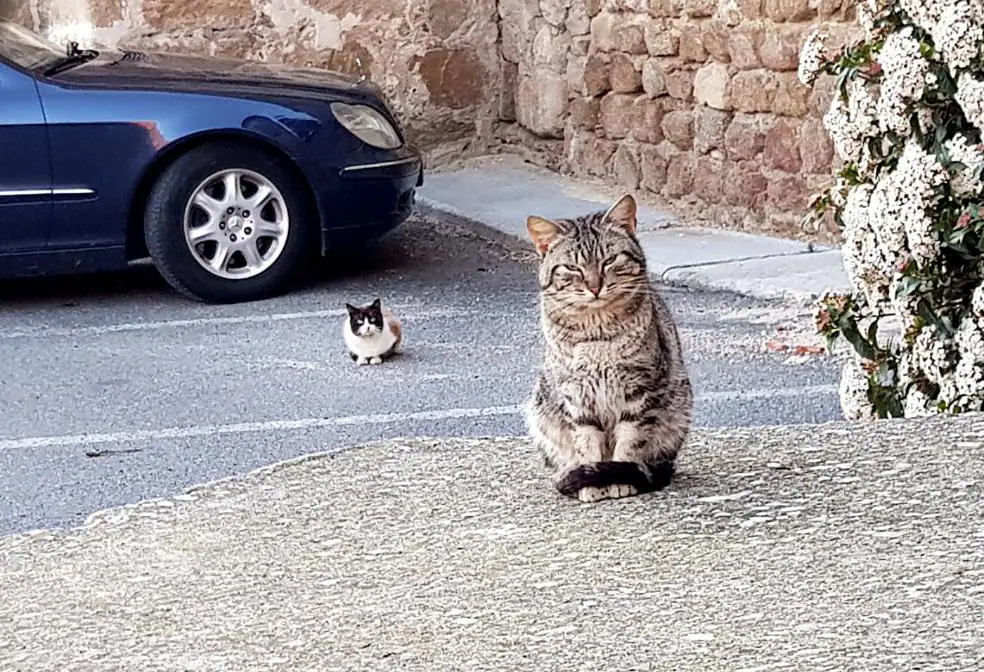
611 261
569 270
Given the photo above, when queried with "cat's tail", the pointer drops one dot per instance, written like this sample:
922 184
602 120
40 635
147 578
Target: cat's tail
643 477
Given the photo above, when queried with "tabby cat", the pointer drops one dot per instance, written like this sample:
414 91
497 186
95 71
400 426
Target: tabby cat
612 403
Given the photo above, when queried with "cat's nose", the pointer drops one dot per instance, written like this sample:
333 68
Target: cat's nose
594 286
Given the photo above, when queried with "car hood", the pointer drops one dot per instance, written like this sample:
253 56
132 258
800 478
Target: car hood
200 74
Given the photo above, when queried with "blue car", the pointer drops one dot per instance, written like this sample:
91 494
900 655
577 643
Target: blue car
228 174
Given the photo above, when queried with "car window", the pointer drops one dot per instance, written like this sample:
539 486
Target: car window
26 48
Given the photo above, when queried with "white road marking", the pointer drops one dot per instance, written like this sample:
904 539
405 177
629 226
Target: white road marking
254 427
101 329
373 419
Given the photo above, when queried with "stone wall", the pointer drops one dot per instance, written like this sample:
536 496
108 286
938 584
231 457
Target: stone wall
436 59
696 102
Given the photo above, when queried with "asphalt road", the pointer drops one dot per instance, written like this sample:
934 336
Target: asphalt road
114 389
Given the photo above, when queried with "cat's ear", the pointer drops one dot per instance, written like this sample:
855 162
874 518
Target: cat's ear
376 304
623 214
542 232
352 310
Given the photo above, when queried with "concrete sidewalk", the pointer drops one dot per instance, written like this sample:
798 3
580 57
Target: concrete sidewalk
832 547
499 192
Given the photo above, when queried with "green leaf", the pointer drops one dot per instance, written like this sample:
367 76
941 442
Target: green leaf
850 331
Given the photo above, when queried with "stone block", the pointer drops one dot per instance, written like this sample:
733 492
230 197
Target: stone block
753 90
751 9
630 38
445 17
602 28
661 38
715 37
745 185
780 48
190 14
709 179
680 174
652 166
550 49
624 77
653 78
664 8
712 86
678 128
680 84
597 74
816 149
782 146
590 155
508 78
691 47
578 22
541 103
625 167
454 78
792 97
787 10
698 9
710 126
744 43
616 115
647 120
584 112
789 194
744 139
553 12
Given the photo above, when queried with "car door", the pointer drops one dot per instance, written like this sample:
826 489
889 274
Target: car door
25 165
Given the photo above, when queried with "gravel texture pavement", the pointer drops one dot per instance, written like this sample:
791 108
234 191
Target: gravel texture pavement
829 547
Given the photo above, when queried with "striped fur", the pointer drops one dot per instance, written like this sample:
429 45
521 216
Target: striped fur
612 403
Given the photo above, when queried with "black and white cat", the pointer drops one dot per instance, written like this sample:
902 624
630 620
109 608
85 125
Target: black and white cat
371 333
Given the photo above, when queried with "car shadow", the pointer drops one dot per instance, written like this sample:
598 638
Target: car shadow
142 281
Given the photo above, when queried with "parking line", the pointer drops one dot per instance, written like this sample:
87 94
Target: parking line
170 433
97 330
253 427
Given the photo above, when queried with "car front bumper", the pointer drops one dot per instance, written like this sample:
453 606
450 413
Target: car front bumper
370 199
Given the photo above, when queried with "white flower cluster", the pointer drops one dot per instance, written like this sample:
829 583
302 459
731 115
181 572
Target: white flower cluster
913 182
866 10
931 354
957 34
891 217
969 372
916 404
864 261
905 72
854 392
970 97
967 181
977 302
850 123
811 57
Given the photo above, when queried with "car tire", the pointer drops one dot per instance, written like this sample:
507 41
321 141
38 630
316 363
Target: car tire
251 258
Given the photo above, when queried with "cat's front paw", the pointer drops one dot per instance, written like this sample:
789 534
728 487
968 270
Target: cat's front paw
590 495
362 361
376 360
620 491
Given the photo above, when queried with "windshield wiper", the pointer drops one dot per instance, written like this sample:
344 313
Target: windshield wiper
73 56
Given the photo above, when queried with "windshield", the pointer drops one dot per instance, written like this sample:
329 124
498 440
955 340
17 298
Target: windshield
26 48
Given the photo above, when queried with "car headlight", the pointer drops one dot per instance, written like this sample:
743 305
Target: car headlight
367 125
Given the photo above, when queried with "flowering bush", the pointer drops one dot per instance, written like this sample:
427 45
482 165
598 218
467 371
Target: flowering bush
907 121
